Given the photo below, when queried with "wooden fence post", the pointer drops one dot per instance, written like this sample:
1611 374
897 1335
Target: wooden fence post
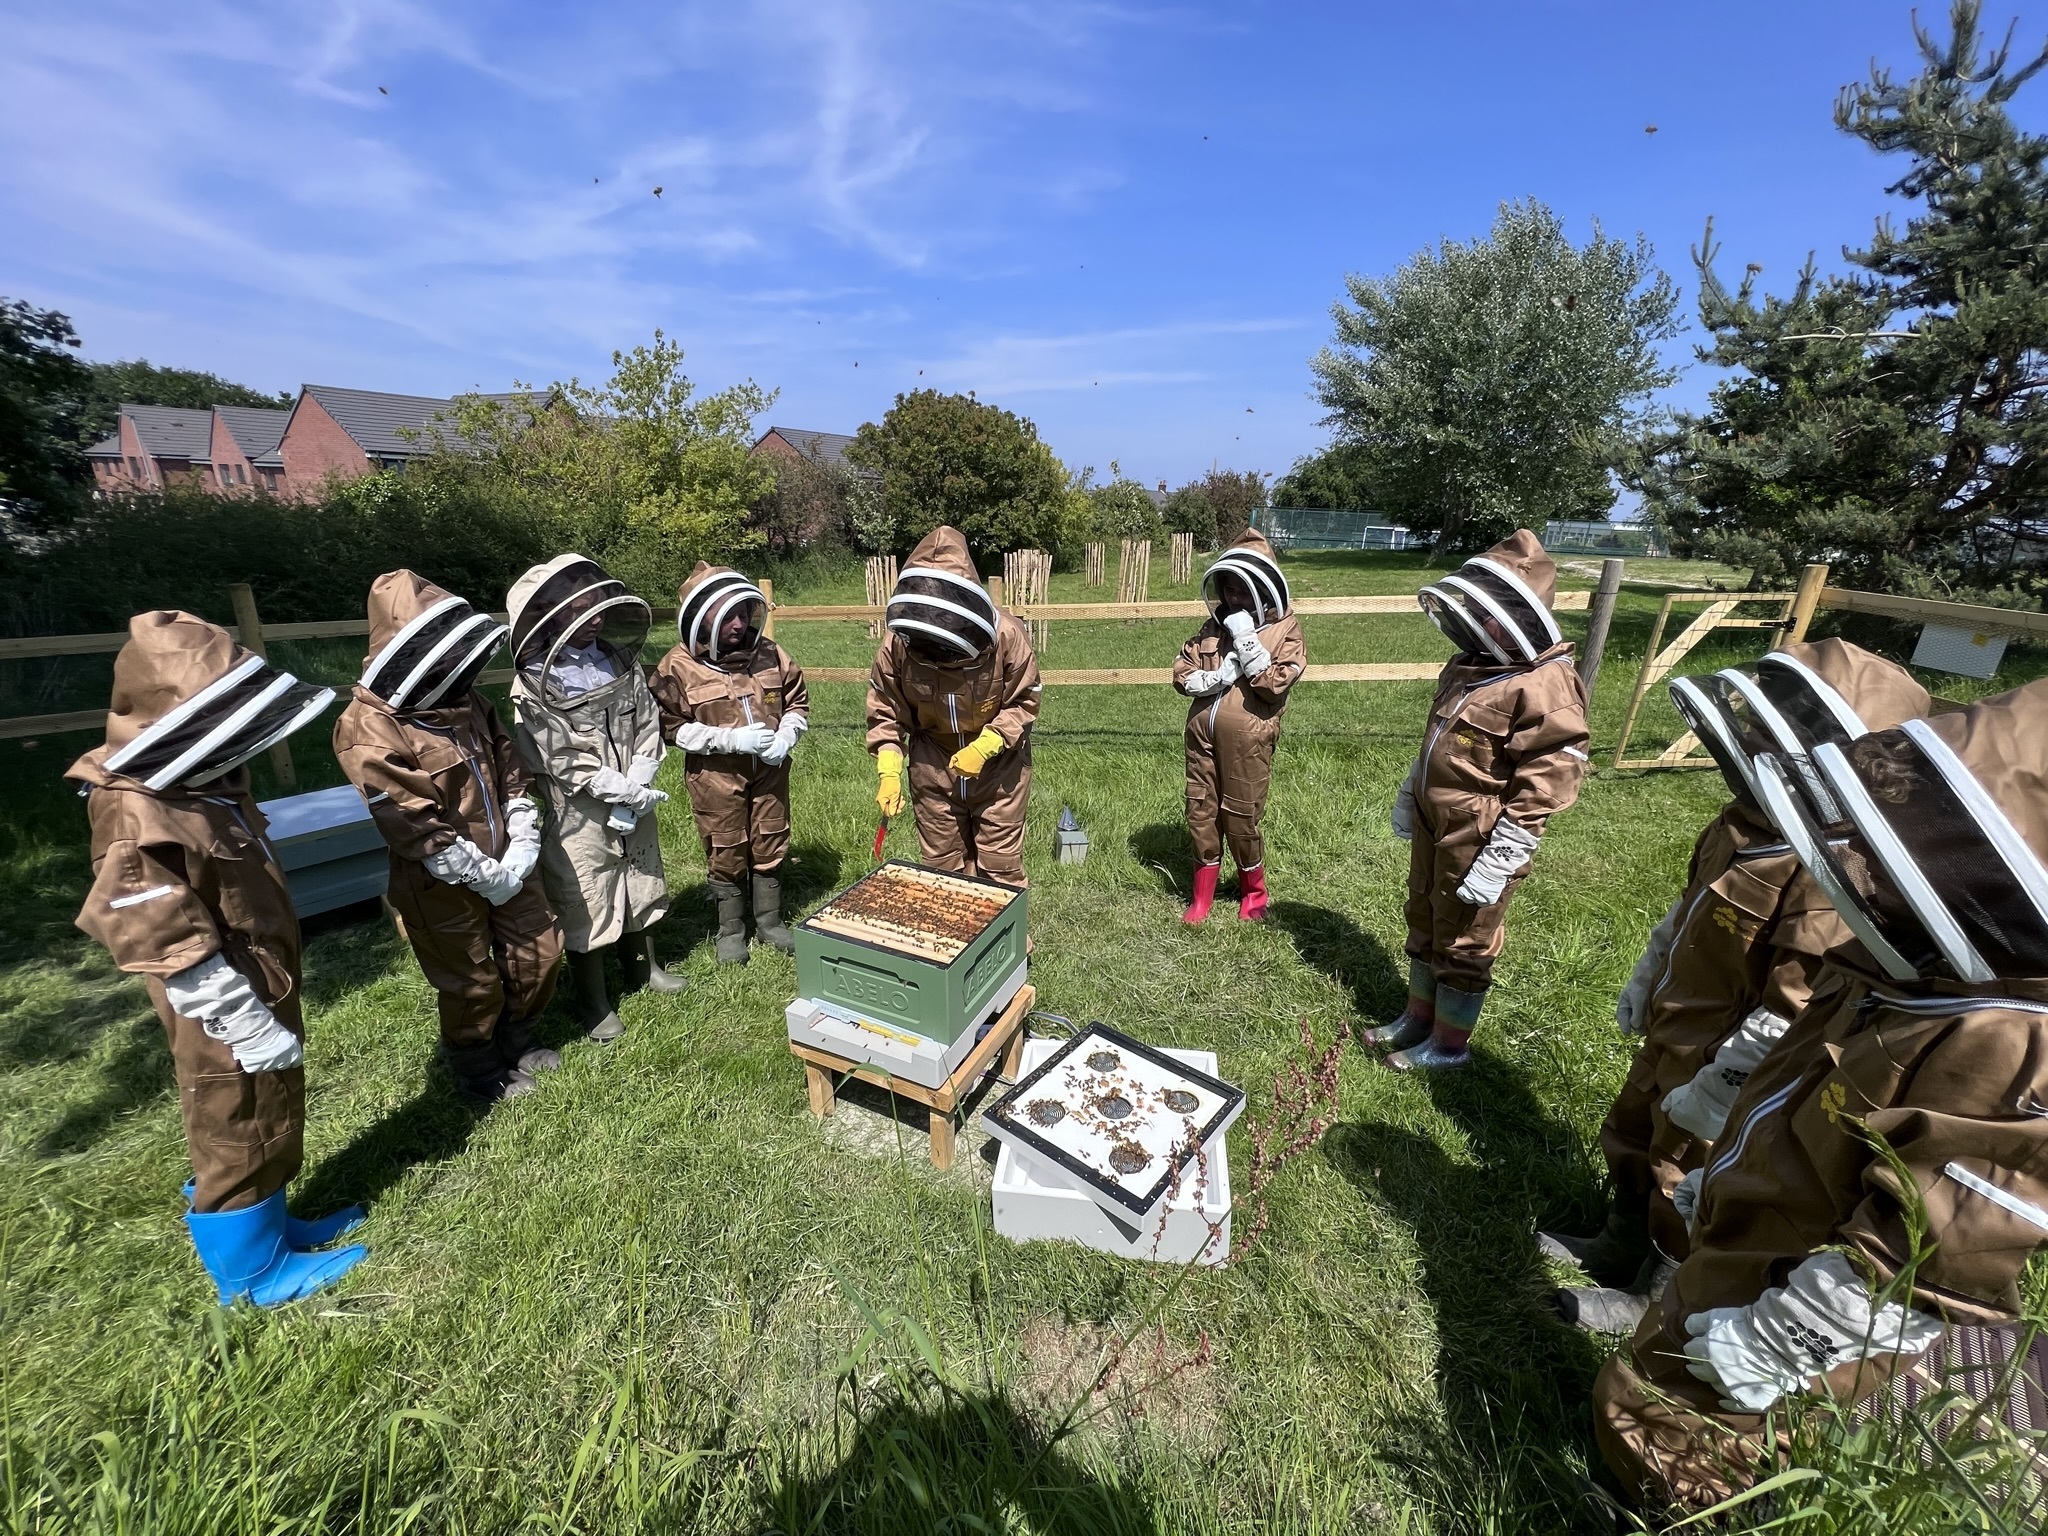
1182 567
1134 571
995 590
1091 564
251 625
1811 581
768 618
1598 622
881 572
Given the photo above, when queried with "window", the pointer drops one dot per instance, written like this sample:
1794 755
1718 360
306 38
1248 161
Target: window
241 474
134 468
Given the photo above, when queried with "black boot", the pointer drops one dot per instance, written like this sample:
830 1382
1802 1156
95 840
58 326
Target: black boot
768 924
517 1048
732 923
643 972
1614 1256
592 1003
481 1075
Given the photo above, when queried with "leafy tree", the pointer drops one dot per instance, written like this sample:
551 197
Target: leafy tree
1335 479
953 459
1121 508
809 505
44 428
1891 420
1217 508
1189 510
1485 384
140 382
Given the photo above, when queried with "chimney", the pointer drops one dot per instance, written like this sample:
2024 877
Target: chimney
1162 487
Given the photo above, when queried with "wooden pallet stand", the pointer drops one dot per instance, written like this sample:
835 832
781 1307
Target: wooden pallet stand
823 1072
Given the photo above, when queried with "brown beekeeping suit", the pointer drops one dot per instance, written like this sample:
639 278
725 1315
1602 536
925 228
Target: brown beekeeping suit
1748 932
1505 739
431 776
180 874
741 803
1951 1075
930 710
1231 734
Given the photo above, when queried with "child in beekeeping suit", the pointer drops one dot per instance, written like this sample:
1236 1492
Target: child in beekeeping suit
448 791
589 729
1236 672
187 893
951 701
736 704
1504 751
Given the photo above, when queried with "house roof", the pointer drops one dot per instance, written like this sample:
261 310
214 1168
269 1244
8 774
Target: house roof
256 431
376 420
105 448
172 431
826 448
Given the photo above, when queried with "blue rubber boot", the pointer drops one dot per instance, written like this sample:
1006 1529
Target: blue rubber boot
246 1253
308 1235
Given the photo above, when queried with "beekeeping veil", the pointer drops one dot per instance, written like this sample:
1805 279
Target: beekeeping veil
427 646
1514 583
1936 862
940 608
571 602
711 595
190 705
1251 562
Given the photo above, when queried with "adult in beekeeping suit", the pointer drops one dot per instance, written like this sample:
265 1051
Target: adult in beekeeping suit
187 894
590 732
1913 1087
1503 752
951 701
1236 672
735 702
447 789
1730 965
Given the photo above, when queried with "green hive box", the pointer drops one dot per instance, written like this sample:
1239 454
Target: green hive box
891 986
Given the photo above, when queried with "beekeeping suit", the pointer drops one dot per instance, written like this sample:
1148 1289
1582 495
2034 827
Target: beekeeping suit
1236 672
1734 960
447 789
187 894
1504 751
736 703
952 697
1928 1031
589 730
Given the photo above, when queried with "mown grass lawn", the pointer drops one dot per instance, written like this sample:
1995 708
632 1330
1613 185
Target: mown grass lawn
657 1295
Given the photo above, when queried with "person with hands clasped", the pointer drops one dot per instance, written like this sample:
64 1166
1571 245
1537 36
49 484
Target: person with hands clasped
736 704
951 701
187 893
590 731
448 791
1504 751
1236 672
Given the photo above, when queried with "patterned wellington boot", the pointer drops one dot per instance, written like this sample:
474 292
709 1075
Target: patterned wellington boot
1412 1026
1457 1014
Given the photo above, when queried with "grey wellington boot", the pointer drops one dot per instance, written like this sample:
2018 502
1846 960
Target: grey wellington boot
593 1000
643 971
732 923
1613 1256
768 924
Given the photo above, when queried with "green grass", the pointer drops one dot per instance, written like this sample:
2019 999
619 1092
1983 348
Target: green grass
657 1295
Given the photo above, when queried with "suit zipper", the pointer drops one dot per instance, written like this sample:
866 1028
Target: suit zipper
483 785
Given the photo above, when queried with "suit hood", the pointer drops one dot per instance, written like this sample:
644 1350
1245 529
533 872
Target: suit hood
571 599
1252 562
939 607
710 596
1498 604
427 646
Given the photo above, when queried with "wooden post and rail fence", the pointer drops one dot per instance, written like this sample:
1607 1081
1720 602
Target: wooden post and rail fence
1786 614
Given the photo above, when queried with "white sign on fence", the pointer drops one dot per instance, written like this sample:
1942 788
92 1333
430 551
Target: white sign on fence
1961 651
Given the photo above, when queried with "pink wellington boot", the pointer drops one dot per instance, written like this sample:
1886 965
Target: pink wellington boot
1251 894
1205 893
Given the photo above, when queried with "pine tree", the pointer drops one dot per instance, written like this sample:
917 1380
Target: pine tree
1891 420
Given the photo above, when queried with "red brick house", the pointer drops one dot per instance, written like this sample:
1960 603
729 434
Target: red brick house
823 448
351 432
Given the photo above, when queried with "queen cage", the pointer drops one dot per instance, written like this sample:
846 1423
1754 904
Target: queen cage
703 614
246 710
941 614
436 657
1262 578
576 606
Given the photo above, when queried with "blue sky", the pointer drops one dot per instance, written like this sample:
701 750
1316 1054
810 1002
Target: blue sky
1126 222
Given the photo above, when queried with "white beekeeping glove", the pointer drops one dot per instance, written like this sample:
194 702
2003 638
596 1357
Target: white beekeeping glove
1251 652
1628 1010
641 772
1404 805
785 739
1701 1106
1202 685
1685 1198
228 1009
463 863
522 830
1820 1318
1505 855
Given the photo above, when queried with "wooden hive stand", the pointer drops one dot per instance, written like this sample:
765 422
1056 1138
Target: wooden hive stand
824 1071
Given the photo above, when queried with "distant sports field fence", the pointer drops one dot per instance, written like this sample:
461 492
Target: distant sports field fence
1329 528
257 635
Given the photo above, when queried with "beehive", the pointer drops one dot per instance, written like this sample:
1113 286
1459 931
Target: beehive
914 948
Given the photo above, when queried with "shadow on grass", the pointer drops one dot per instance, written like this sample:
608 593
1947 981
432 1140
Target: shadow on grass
1163 848
967 1463
1511 1377
432 1127
137 1070
1346 953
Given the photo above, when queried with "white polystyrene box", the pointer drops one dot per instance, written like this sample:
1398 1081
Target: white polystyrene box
1034 1200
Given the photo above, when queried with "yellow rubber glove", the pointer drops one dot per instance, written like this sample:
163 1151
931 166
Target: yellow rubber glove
889 793
973 757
